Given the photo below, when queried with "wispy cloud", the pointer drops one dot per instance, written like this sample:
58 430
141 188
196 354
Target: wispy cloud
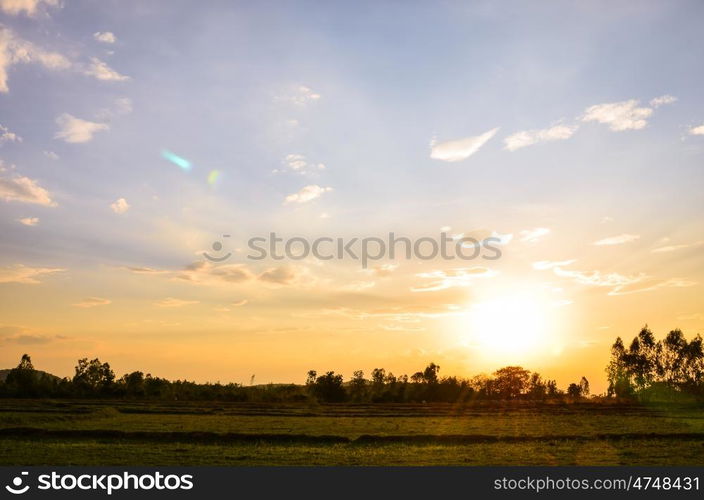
105 36
76 130
617 240
306 194
26 275
29 221
529 137
92 302
443 279
656 102
543 265
100 70
300 164
460 149
7 136
673 248
171 302
698 130
624 115
14 50
28 7
533 235
120 206
23 189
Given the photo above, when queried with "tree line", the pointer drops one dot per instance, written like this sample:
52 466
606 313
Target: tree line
671 368
648 369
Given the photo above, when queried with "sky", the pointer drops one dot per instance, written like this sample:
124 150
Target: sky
134 135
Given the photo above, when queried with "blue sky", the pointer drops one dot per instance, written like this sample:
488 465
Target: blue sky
596 106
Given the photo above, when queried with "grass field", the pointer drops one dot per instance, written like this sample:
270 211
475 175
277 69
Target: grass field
34 432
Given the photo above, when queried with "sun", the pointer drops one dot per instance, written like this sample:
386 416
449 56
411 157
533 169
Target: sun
513 328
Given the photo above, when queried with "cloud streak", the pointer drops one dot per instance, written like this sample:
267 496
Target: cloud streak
460 149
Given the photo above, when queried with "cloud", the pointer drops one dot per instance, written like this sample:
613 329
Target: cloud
533 235
51 155
656 102
14 50
298 163
105 36
239 303
462 276
617 240
619 116
300 96
460 149
673 248
529 137
648 285
92 302
306 194
698 130
172 302
29 7
120 206
279 275
123 105
25 275
30 221
204 273
621 284
25 190
102 71
75 130
7 136
543 265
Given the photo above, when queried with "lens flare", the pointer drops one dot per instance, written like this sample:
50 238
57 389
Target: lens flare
213 177
176 160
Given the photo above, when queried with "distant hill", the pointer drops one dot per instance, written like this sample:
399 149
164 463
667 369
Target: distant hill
39 374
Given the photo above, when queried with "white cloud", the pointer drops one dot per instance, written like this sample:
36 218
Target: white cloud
92 302
299 163
105 36
673 248
172 302
699 130
300 96
25 274
102 71
533 235
7 136
617 240
123 106
597 278
624 115
656 102
463 276
30 221
460 149
51 155
29 7
530 137
14 50
306 194
120 206
24 189
543 265
77 130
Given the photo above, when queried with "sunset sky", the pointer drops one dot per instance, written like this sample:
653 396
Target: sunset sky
572 131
